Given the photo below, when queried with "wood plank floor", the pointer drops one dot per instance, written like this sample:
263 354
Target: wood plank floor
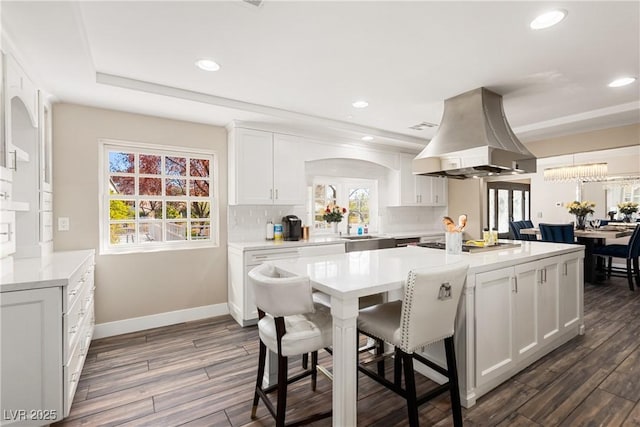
202 374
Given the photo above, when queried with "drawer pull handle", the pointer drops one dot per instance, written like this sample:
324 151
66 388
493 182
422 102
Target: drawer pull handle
73 329
74 377
73 292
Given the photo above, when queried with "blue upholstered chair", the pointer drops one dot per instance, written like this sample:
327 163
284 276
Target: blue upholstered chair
557 233
516 226
629 252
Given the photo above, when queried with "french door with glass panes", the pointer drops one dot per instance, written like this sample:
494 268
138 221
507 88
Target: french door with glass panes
507 201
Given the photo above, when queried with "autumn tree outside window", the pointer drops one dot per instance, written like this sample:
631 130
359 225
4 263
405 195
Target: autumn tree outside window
154 198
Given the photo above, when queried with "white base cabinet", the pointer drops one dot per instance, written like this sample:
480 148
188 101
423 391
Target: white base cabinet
240 295
541 307
47 321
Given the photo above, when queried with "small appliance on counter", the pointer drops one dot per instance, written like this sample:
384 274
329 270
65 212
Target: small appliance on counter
291 227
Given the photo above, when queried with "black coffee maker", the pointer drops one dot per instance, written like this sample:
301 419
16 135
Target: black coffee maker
291 227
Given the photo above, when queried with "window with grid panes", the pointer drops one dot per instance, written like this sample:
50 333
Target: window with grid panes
157 199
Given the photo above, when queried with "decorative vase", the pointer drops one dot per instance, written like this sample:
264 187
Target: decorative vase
626 218
581 222
335 227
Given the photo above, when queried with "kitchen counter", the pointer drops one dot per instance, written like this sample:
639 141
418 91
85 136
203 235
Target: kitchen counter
43 272
519 304
325 240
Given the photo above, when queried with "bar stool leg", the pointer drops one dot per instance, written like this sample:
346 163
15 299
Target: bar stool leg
314 370
397 368
262 355
410 388
379 353
282 390
636 267
629 274
456 407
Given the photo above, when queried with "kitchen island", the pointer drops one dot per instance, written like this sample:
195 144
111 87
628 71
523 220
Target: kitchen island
518 305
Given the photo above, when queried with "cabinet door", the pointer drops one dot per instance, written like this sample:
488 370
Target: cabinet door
31 353
549 302
408 194
288 171
526 308
423 189
570 291
494 324
253 167
439 191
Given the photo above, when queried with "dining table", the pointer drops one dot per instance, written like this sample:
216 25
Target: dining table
590 238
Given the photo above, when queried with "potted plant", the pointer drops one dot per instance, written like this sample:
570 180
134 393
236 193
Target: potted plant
333 214
581 210
627 209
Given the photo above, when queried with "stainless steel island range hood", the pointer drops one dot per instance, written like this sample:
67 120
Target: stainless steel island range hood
474 140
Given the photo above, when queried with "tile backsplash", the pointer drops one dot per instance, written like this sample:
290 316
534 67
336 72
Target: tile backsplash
248 223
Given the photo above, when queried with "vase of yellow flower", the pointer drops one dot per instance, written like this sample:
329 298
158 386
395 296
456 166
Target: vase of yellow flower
333 214
581 210
627 209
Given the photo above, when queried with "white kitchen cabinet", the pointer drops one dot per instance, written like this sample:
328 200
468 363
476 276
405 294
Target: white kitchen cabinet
240 294
265 169
539 300
47 323
495 351
419 190
31 356
571 291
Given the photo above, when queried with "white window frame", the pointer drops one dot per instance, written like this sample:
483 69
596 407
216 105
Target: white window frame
343 184
106 145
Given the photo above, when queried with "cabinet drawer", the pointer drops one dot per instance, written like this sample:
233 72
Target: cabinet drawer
5 194
258 257
7 233
76 318
73 369
83 276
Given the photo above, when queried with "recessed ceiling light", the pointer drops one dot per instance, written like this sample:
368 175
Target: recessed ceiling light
367 138
548 19
622 81
360 104
207 65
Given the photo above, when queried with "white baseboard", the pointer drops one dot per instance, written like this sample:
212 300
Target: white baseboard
136 324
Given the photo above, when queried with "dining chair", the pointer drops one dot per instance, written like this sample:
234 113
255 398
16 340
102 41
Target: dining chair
289 324
629 252
425 315
516 226
557 233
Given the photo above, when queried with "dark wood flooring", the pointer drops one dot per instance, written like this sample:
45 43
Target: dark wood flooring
202 374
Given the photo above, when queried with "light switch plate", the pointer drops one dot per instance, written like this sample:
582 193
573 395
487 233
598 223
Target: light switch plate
63 223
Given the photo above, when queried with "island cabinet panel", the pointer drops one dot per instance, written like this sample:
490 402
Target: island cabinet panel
527 306
549 306
494 345
571 291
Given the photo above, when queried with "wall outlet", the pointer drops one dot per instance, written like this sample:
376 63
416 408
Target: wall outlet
63 223
539 214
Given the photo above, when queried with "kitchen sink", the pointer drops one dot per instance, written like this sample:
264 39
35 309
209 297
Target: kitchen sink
360 237
368 242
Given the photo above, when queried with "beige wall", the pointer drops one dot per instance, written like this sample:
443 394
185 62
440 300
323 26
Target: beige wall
133 285
602 139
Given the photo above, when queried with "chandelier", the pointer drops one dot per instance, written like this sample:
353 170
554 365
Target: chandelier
577 173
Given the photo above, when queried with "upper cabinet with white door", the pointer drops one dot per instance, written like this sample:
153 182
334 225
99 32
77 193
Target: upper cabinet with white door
265 168
418 190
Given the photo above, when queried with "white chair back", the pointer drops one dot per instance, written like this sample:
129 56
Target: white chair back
280 296
430 304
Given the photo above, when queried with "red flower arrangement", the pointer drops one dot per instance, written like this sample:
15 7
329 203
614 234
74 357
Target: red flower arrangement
334 213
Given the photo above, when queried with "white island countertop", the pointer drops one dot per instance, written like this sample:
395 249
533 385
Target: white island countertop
43 272
368 270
